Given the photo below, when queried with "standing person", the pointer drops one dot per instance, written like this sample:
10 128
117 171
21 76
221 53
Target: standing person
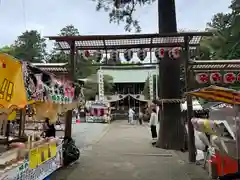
130 115
140 118
49 129
153 125
76 112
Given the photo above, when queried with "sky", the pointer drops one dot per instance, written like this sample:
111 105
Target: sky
49 16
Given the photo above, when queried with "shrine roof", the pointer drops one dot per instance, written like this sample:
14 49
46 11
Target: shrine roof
214 65
132 41
130 75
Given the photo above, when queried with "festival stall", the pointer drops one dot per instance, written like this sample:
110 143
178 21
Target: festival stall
98 111
22 86
221 136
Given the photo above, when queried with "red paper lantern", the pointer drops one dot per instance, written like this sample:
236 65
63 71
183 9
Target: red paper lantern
229 78
159 53
86 54
215 77
238 77
175 53
202 78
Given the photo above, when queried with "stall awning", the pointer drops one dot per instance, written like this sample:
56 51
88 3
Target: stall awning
216 93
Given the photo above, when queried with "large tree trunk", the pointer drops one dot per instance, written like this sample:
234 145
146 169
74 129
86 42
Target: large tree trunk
171 133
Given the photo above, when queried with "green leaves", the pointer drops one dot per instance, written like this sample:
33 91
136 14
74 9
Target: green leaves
69 30
29 46
225 43
122 11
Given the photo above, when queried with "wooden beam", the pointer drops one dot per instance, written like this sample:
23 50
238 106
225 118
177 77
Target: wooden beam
124 36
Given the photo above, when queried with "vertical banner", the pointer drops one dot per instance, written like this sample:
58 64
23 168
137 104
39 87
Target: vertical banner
12 90
100 85
150 76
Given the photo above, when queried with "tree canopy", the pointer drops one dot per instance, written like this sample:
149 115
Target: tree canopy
29 46
57 56
225 44
121 11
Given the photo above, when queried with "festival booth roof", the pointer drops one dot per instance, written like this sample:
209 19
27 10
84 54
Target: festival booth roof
222 120
219 94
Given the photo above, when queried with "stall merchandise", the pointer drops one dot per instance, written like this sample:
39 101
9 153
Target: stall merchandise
198 110
42 95
23 171
224 137
98 112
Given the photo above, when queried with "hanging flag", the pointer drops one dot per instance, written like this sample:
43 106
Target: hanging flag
12 90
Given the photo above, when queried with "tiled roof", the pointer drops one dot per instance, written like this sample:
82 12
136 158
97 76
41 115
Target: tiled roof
133 41
213 65
52 67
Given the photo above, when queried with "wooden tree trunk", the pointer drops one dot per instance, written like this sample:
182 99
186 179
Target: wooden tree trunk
171 134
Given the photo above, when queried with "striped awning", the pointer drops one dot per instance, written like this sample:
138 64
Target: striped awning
216 93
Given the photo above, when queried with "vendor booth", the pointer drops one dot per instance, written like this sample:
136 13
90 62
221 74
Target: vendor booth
222 134
40 95
98 111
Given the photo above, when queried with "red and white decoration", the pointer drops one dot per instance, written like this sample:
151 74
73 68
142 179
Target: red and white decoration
238 77
128 54
98 111
215 77
85 54
114 55
202 78
98 55
174 53
159 53
142 54
229 78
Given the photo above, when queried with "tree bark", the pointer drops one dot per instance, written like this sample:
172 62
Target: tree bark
171 132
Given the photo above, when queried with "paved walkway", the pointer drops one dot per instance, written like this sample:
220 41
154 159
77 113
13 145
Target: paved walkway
124 152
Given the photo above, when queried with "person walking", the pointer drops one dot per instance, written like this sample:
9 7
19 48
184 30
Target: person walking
140 116
153 125
130 116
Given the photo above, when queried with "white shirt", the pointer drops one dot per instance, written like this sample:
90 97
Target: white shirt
130 113
157 109
153 119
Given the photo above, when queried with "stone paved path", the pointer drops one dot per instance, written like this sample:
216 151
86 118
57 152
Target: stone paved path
125 153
